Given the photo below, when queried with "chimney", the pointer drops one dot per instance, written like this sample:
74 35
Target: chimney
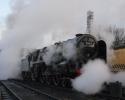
89 22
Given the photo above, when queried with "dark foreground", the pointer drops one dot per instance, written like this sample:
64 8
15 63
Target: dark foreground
20 90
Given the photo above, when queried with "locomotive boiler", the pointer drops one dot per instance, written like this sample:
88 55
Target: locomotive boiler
61 62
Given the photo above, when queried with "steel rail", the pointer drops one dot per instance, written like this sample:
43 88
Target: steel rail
36 90
10 91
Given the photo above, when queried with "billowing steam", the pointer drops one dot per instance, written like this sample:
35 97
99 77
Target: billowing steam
69 50
66 49
8 59
94 74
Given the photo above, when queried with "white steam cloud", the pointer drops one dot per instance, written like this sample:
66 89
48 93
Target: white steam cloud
8 59
67 49
93 76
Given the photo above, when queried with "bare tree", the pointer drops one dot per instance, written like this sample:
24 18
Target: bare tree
119 34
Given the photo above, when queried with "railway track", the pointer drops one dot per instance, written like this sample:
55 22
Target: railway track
58 92
7 94
20 90
12 91
25 90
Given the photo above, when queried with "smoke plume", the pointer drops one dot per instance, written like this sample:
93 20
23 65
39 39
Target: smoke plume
93 76
67 50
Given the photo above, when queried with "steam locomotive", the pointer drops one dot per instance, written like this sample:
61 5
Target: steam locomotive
57 64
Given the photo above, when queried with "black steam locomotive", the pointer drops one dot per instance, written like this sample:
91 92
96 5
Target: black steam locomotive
57 64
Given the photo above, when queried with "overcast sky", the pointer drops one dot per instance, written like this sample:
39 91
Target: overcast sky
105 11
4 11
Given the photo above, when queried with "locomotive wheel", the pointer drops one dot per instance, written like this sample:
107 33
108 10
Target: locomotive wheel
41 79
63 83
32 77
24 76
48 80
69 83
28 76
55 81
66 83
